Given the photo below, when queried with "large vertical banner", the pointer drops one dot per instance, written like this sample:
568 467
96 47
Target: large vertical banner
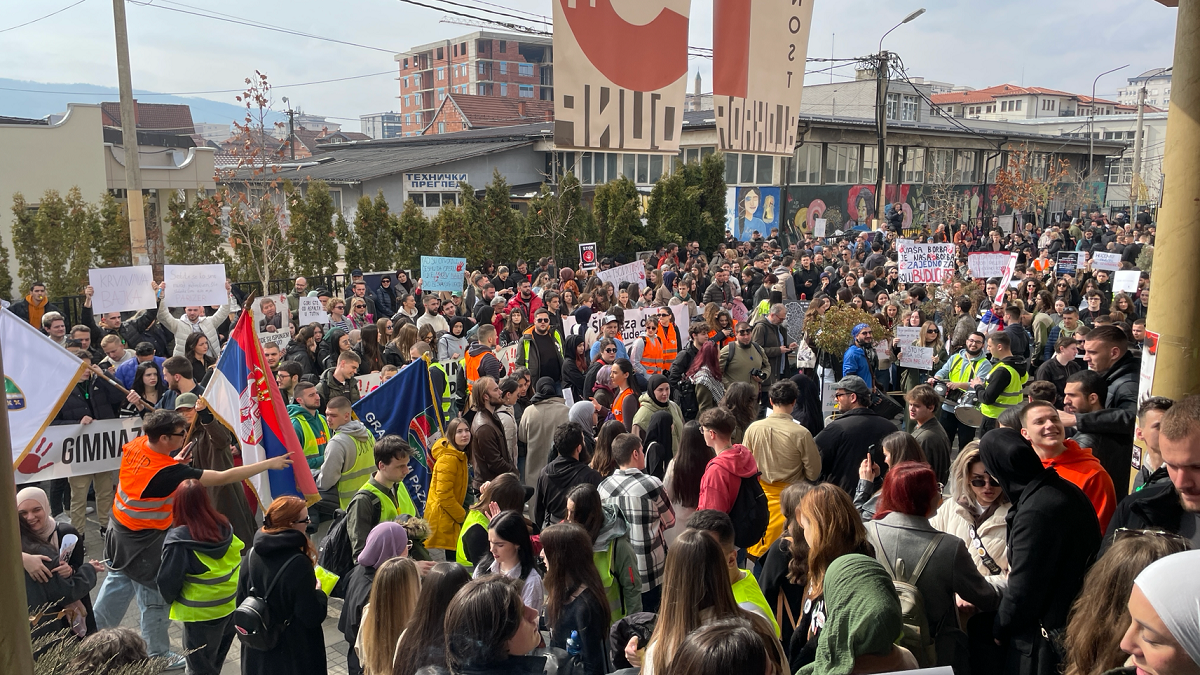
620 78
759 50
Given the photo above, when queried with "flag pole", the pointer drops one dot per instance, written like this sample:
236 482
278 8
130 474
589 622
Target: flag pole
16 650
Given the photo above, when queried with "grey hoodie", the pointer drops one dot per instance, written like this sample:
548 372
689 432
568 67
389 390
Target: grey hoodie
340 453
626 597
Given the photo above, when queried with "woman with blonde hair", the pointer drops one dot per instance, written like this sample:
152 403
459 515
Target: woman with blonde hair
1100 614
975 512
930 337
397 352
448 487
832 529
395 591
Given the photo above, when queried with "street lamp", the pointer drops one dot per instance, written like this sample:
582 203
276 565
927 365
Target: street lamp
881 86
1092 116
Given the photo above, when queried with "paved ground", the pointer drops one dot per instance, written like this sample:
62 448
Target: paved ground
335 644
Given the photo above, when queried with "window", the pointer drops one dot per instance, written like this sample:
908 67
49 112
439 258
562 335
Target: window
418 198
766 170
869 163
481 69
656 168
440 54
914 165
1037 165
503 44
1120 171
747 176
911 109
1132 135
807 163
893 106
1018 102
455 50
433 200
585 173
731 168
643 169
503 67
525 90
525 69
441 127
407 101
405 82
841 164
964 167
993 166
940 162
610 163
629 166
991 108
441 73
441 92
405 63
504 89
417 81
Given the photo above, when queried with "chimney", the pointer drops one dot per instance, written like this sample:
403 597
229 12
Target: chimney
521 109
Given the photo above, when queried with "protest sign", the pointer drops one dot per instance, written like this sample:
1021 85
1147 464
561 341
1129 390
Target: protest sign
681 320
587 257
1007 277
271 320
1068 263
906 335
569 325
634 272
912 356
926 263
442 274
122 289
194 285
819 227
367 383
508 357
1145 387
311 311
985 265
1006 223
77 450
1106 261
452 368
1127 281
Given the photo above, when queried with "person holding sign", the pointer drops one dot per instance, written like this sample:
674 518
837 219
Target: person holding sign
193 321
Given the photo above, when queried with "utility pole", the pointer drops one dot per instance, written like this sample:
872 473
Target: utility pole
881 88
291 129
1174 313
1136 183
133 170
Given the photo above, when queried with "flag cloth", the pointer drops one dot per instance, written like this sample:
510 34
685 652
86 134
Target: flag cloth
38 376
400 406
243 395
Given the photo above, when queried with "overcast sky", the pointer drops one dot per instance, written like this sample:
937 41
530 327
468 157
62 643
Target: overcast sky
1049 43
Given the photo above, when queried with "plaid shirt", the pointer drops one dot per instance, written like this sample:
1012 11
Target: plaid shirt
644 503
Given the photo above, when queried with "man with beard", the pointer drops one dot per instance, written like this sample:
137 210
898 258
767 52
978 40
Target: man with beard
958 371
524 300
857 360
1002 387
1106 351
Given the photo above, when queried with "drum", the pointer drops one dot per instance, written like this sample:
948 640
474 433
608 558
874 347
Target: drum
943 390
967 410
885 406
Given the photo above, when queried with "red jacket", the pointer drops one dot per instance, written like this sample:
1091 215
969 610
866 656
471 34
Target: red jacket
723 477
528 309
1080 467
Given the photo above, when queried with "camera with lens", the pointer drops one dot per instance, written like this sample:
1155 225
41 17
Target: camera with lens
758 373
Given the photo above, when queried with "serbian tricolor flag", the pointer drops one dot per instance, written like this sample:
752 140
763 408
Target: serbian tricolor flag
243 395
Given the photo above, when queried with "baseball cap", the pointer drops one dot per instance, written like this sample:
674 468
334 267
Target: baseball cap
853 384
610 318
187 400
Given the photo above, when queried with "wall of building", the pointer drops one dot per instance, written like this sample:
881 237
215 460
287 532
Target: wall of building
518 166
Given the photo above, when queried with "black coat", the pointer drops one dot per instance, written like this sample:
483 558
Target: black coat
21 309
58 592
556 480
844 443
301 647
572 376
1111 429
1053 537
101 402
1155 507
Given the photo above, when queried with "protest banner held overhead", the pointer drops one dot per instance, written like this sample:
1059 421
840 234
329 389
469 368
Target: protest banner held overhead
1126 281
926 263
442 274
274 326
985 265
311 311
1106 261
634 272
194 285
122 289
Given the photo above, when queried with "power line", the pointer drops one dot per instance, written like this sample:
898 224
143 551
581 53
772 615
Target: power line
228 18
22 25
194 93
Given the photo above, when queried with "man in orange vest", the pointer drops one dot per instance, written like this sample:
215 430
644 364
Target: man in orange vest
152 467
480 360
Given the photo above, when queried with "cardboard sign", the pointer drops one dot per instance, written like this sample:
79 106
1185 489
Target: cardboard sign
452 369
907 335
442 274
268 331
1007 278
912 356
1106 261
587 257
1067 263
368 383
1127 281
78 449
508 357
926 263
634 272
819 226
195 285
311 311
985 265
1006 224
123 289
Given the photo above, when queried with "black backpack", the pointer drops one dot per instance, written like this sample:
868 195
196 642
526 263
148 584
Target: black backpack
685 398
336 554
749 514
252 618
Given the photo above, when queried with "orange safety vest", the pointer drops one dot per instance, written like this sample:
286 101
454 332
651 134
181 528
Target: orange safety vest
618 414
139 464
472 364
652 355
670 345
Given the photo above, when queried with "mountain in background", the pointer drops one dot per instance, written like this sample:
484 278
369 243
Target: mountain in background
38 99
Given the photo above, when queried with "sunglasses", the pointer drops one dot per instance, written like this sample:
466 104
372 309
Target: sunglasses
542 320
931 332
664 315
610 350
305 521
984 481
1129 532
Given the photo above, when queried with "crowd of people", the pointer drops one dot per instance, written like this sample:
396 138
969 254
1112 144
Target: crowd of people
674 499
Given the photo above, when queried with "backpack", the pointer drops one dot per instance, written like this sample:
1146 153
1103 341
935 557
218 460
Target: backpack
917 635
252 618
750 514
336 553
685 398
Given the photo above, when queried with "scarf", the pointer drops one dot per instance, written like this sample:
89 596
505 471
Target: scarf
386 541
863 615
49 532
705 377
1173 589
36 310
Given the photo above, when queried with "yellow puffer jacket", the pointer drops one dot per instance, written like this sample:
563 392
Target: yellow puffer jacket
447 490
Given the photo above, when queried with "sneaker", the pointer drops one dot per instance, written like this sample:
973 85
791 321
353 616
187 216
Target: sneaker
103 533
174 661
91 510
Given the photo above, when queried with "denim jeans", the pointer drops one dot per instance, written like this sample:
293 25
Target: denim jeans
113 600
